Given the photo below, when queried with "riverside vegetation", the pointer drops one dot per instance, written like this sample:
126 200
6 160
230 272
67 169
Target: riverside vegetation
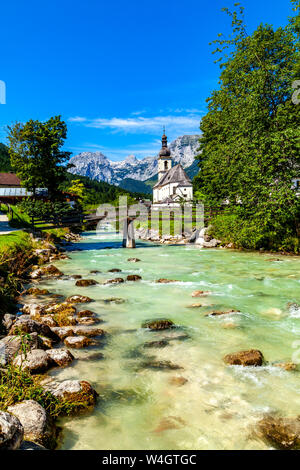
250 145
22 385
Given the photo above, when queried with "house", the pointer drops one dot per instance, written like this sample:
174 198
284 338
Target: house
12 192
9 180
173 184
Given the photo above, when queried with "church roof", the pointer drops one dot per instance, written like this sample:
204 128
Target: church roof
174 175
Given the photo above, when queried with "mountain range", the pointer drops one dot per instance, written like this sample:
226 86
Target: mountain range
131 173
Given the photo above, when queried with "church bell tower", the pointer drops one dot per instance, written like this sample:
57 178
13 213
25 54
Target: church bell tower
164 157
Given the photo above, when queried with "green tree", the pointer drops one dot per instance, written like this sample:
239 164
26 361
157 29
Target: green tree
4 159
36 155
250 143
77 188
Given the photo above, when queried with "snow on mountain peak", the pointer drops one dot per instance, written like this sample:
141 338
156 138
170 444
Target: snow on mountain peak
97 166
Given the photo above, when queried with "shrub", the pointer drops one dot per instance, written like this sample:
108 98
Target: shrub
253 233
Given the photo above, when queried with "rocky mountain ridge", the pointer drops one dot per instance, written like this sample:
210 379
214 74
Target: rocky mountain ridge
97 166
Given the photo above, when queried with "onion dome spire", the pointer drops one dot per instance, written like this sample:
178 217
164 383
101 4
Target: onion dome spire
164 152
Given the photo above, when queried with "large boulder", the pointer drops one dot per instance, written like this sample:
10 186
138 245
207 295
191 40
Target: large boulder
29 445
60 357
282 433
51 271
36 361
38 426
160 324
27 325
64 307
63 331
36 291
211 244
77 342
85 314
33 310
77 392
11 346
11 432
252 357
48 320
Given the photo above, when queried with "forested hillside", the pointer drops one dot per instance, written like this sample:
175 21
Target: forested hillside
96 192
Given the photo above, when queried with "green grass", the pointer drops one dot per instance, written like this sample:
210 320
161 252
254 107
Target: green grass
13 240
17 219
17 385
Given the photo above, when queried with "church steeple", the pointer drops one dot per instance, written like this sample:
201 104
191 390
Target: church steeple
164 157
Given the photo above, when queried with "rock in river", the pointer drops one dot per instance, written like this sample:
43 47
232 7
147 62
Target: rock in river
85 282
35 361
283 433
27 325
117 280
160 365
82 299
200 293
88 320
217 313
85 313
77 342
63 331
116 300
8 321
133 277
114 270
160 324
36 291
165 281
50 270
11 431
252 357
178 381
134 260
157 344
286 365
38 426
88 331
11 346
60 357
74 391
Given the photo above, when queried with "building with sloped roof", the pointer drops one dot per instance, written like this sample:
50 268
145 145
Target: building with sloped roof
173 184
9 180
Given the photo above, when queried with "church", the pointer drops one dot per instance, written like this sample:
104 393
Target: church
173 184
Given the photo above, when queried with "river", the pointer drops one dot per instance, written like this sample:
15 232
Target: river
211 405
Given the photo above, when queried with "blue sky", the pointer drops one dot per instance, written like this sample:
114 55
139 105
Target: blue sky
117 71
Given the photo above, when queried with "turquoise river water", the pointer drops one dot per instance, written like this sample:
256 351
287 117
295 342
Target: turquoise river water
218 405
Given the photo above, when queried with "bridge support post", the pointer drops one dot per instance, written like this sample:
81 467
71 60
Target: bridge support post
128 233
